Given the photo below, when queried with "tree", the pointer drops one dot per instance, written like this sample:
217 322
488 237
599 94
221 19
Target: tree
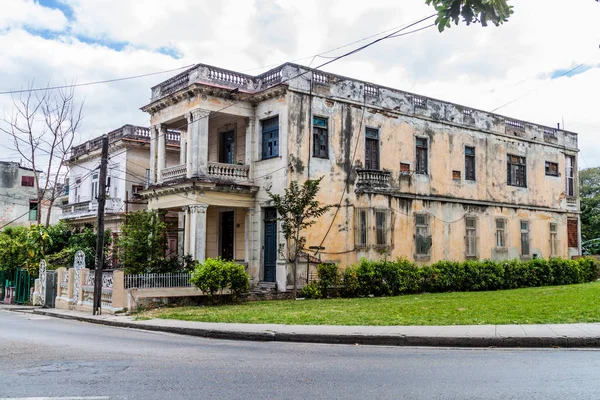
43 125
297 210
589 193
471 11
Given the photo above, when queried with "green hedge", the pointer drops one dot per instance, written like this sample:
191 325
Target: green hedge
392 278
215 275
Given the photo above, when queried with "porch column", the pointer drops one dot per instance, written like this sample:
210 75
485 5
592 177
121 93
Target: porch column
249 256
197 236
153 149
186 231
181 234
250 123
197 143
182 147
161 152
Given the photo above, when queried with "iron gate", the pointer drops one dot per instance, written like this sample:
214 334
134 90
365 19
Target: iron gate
23 284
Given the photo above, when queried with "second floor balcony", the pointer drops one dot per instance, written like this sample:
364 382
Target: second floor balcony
89 208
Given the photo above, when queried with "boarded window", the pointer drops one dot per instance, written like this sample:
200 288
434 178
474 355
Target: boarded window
456 175
471 237
361 223
423 240
371 148
27 181
570 174
320 138
500 233
270 138
573 232
421 152
470 163
516 171
551 168
553 239
525 238
404 168
382 227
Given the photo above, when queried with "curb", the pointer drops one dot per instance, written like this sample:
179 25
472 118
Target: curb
351 339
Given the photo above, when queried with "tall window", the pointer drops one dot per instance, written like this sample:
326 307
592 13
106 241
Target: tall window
471 237
421 164
27 181
270 138
361 221
371 148
573 232
422 236
525 238
500 233
382 227
570 174
33 210
516 171
76 192
320 138
470 163
94 186
553 239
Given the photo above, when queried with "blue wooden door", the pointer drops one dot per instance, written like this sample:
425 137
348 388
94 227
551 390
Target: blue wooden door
270 258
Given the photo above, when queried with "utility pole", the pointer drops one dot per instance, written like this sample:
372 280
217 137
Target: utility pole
100 228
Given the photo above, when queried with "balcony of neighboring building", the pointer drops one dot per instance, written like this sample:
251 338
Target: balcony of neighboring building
87 207
214 148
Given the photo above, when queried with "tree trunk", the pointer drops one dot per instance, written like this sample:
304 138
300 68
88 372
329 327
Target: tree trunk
295 273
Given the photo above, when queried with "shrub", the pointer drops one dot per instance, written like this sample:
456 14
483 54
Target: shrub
349 282
311 291
215 275
329 278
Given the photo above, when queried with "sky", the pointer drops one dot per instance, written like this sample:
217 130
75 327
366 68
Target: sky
523 62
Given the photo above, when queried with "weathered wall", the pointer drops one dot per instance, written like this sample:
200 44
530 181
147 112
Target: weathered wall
14 198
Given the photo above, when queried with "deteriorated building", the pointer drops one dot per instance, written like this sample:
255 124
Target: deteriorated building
406 175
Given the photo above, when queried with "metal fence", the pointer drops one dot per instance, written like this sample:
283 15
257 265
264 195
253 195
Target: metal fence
148 281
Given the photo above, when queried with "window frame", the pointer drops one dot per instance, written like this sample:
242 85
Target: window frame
570 175
320 132
375 138
386 231
503 230
27 181
361 231
427 227
95 186
274 132
526 232
33 212
512 171
553 239
470 158
471 251
421 169
550 172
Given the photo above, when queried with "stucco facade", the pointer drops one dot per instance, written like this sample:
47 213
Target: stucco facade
406 175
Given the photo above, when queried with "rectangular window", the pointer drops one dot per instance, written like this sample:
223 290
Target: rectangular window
422 236
147 178
570 174
573 232
551 168
470 163
421 164
371 148
382 227
135 189
553 239
361 224
500 233
33 210
320 138
94 186
471 237
524 238
270 138
27 181
516 171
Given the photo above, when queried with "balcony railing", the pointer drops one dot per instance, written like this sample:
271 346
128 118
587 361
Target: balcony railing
90 207
373 178
221 171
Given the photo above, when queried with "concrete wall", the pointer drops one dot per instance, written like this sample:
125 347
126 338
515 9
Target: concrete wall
14 198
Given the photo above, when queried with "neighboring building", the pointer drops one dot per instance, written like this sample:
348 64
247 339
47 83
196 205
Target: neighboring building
129 149
426 179
18 195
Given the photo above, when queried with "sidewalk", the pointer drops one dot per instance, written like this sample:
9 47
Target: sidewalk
555 335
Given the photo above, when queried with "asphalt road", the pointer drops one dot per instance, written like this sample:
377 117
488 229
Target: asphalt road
46 357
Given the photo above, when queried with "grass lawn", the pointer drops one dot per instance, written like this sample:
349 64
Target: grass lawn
549 304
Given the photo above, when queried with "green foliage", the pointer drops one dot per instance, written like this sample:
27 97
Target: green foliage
312 291
471 11
589 194
215 275
329 279
386 278
297 210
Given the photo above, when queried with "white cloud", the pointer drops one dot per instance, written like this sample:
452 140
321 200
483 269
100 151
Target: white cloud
19 13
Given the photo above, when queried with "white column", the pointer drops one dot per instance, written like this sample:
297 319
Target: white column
182 147
153 148
198 231
250 123
197 143
249 256
186 231
161 152
181 234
